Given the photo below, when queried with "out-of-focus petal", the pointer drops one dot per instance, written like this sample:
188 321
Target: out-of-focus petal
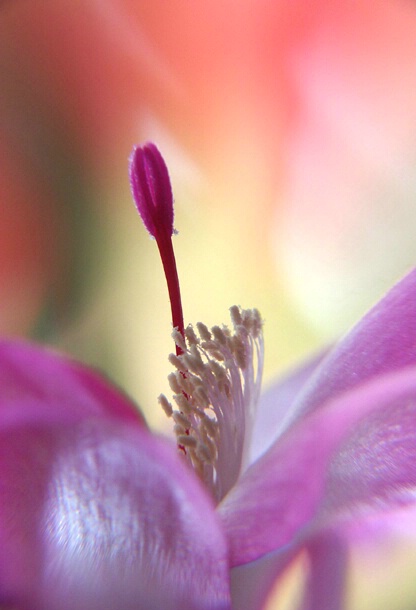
382 555
384 340
38 384
251 583
100 514
275 404
327 578
357 453
367 556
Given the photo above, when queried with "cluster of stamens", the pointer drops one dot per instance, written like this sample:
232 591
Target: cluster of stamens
216 386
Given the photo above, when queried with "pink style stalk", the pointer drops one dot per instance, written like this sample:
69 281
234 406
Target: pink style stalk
97 512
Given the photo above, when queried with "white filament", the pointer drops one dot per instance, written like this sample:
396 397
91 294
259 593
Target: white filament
216 387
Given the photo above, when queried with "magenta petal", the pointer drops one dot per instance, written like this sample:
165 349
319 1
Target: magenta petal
38 384
383 341
355 453
99 515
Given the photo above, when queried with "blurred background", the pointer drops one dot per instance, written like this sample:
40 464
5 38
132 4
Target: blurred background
289 128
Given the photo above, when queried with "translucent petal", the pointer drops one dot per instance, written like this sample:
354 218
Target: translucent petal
95 512
355 454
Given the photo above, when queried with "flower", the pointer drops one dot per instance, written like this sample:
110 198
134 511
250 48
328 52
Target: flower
96 511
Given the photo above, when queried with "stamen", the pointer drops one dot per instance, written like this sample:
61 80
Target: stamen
215 412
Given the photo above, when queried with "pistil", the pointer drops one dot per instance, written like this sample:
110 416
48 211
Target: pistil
152 194
218 371
164 243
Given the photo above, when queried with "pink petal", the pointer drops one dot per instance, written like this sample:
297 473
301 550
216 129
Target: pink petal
95 512
354 454
99 514
38 384
383 341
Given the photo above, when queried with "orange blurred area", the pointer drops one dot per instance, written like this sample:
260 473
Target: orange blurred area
29 256
289 131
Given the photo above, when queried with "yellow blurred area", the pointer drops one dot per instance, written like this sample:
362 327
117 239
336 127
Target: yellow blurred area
377 577
288 593
222 260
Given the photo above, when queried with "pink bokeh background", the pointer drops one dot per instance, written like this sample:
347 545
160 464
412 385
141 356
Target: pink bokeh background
289 129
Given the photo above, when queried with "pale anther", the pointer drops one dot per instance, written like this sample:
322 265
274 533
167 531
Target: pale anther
165 404
191 336
203 331
235 315
175 360
219 335
179 339
174 383
179 418
187 441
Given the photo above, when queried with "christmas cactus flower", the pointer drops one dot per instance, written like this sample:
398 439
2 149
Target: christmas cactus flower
97 512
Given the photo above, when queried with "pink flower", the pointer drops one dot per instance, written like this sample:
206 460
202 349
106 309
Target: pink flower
96 511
